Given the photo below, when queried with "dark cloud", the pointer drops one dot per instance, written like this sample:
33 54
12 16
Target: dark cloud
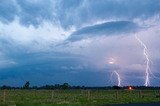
67 12
39 78
8 10
106 29
48 68
29 12
34 13
88 11
76 12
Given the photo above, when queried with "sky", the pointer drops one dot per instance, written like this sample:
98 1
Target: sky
81 42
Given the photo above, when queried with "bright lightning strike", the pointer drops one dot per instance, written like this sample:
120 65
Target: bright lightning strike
113 61
118 78
147 70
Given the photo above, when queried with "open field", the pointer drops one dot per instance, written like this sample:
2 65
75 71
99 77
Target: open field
76 97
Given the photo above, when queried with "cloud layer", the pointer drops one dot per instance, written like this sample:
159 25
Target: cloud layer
104 29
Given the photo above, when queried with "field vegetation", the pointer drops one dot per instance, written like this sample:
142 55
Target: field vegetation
76 97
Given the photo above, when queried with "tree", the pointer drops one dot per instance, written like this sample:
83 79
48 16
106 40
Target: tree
65 86
57 86
27 84
116 87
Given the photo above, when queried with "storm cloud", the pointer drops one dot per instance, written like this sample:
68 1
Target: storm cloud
104 29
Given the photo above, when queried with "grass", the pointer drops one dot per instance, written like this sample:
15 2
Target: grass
76 97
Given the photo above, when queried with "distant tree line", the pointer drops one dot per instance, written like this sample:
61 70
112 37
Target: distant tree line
67 86
27 86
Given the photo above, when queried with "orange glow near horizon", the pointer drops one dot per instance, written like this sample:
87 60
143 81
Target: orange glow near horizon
130 88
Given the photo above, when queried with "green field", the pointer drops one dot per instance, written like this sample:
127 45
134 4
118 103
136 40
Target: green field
76 97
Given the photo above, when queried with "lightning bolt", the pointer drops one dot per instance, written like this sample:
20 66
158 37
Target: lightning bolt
118 77
145 53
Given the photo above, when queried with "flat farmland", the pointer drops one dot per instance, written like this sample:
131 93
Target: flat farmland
76 97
